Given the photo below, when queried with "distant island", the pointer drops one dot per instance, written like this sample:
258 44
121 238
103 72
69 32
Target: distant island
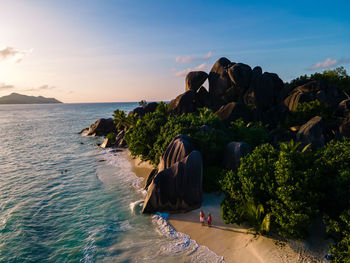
15 98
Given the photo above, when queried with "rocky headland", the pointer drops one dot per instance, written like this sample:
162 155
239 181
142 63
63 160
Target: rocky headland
305 115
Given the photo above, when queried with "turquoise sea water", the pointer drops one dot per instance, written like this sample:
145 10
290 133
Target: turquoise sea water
63 199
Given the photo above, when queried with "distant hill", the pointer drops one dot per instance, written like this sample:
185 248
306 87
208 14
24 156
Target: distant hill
15 98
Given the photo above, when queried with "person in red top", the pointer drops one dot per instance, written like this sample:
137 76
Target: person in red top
209 220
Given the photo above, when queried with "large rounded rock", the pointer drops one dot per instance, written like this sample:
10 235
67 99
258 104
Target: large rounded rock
310 91
195 79
178 188
312 132
342 108
178 149
219 82
254 94
141 111
345 127
102 127
203 98
150 178
233 111
240 74
184 103
264 90
234 151
296 97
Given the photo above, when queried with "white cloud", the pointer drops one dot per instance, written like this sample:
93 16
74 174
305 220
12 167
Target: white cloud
208 55
12 54
329 62
183 73
4 87
43 87
190 59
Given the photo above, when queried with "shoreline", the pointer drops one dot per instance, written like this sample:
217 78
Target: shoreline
230 241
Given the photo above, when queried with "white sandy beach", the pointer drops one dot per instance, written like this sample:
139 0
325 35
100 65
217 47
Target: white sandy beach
234 242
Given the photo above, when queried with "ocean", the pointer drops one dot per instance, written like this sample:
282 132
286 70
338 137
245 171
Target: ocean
63 199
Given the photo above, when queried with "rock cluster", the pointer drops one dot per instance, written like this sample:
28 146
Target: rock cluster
236 91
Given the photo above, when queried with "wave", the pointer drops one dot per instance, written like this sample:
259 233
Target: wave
179 243
182 243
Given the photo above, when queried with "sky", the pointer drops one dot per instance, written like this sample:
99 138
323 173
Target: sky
117 51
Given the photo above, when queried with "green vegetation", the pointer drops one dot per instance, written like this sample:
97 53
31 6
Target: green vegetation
277 179
111 137
340 230
257 218
337 77
332 168
307 110
251 133
280 188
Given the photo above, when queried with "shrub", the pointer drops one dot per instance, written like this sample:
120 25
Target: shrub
340 230
251 133
337 77
256 217
279 180
209 143
142 135
293 203
307 110
124 121
211 178
332 169
111 137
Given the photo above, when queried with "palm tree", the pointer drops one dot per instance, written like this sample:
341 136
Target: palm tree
256 217
122 120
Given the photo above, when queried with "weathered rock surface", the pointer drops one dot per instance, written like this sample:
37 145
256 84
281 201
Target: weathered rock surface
150 178
234 151
219 82
295 97
184 103
203 98
233 111
177 150
240 75
342 108
107 143
102 127
309 91
195 79
264 90
254 95
345 127
178 188
148 107
117 142
312 132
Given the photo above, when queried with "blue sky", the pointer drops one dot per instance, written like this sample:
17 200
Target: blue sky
85 51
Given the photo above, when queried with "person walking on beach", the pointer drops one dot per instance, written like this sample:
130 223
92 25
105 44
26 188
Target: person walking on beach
201 217
209 220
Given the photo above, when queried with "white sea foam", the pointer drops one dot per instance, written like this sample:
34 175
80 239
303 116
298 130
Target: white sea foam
136 206
118 159
182 243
